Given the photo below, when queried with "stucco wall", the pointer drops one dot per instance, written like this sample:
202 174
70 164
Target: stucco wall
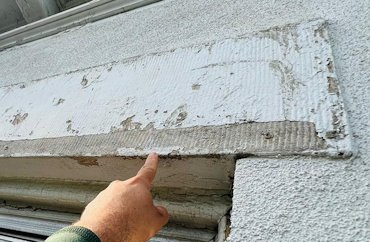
329 199
305 199
300 199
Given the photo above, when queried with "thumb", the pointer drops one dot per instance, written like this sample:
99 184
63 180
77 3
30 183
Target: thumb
163 213
162 217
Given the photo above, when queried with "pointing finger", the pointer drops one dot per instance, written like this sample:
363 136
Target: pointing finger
149 169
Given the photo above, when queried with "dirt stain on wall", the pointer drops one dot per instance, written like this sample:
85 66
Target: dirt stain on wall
177 117
84 81
195 86
332 85
60 101
86 161
287 79
18 118
128 124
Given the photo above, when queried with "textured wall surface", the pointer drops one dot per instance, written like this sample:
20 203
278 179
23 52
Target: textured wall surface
281 74
317 200
303 199
300 199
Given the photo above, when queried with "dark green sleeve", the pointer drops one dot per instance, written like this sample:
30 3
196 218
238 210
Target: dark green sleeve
73 234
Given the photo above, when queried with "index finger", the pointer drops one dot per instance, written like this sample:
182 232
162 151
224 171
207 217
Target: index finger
149 169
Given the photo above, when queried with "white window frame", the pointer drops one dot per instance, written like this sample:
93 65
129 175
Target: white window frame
80 15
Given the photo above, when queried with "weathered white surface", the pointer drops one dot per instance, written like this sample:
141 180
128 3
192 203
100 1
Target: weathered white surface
282 74
179 23
303 199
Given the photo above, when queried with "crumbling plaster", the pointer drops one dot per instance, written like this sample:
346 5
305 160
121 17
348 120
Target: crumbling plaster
303 199
333 205
284 73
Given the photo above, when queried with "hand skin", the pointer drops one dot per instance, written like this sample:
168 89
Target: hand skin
124 211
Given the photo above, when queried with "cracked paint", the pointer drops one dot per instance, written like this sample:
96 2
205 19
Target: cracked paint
280 74
18 118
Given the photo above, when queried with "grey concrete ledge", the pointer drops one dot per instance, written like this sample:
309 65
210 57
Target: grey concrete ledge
272 138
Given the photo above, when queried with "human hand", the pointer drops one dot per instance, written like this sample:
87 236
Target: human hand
124 211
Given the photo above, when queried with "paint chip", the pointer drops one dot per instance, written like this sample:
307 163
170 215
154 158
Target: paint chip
84 81
60 101
196 86
19 118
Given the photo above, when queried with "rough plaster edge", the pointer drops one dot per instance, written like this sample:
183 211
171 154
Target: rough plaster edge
263 139
338 137
341 140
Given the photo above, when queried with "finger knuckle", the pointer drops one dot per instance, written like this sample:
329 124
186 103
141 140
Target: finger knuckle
115 183
137 179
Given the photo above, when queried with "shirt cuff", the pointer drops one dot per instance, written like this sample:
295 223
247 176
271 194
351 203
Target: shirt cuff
85 233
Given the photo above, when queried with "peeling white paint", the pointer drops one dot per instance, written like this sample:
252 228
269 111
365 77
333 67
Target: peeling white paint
274 75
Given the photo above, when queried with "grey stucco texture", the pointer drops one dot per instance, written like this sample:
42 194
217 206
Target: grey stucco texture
300 199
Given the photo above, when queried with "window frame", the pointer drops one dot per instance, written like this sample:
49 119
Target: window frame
76 16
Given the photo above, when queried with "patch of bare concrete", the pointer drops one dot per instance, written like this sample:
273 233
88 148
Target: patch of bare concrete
272 138
19 118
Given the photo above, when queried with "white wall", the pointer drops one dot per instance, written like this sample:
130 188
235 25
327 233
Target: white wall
333 195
